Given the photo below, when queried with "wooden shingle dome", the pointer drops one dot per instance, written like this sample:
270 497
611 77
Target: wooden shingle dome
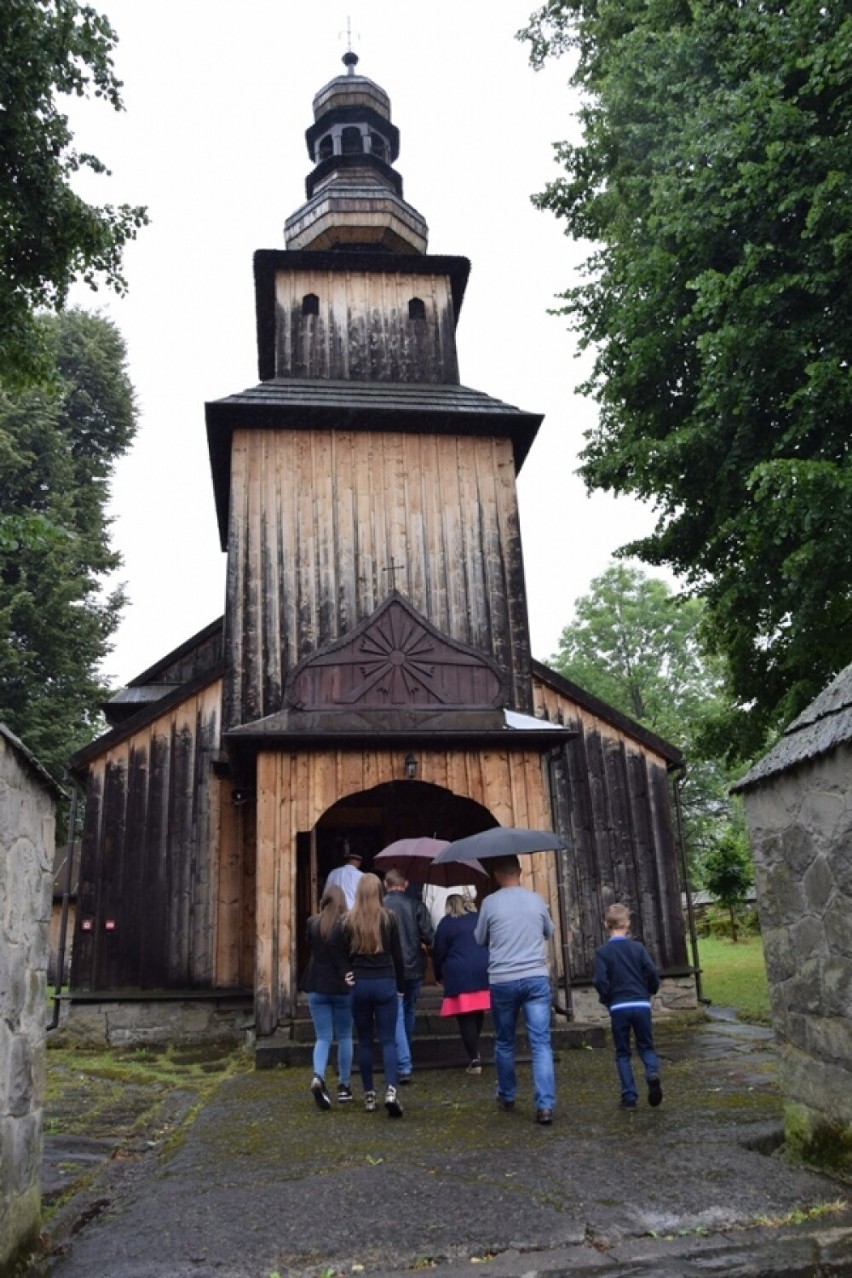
354 195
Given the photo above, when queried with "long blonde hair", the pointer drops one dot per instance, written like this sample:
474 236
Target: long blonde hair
364 921
331 909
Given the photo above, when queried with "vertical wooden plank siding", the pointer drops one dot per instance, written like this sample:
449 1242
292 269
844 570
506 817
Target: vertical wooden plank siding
308 532
159 848
295 790
363 331
615 806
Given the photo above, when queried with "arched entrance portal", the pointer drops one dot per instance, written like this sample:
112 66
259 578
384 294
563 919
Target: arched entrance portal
368 821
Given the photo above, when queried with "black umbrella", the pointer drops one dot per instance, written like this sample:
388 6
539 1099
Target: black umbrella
501 840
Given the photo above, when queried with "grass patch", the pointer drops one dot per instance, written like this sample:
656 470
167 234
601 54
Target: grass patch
735 975
108 1092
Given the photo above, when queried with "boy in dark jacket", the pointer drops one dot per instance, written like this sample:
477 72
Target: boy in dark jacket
625 979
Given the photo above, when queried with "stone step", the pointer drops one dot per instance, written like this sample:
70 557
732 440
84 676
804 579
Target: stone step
441 1048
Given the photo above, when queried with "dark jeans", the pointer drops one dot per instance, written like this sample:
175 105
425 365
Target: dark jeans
375 1004
638 1020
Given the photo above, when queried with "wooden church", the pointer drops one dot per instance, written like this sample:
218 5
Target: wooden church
371 678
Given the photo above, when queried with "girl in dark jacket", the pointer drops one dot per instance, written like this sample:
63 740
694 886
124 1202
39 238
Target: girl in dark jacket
329 995
378 983
462 966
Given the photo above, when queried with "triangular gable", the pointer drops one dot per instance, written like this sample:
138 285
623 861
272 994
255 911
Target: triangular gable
395 659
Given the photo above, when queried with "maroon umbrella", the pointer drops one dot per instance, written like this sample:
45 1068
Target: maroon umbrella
416 859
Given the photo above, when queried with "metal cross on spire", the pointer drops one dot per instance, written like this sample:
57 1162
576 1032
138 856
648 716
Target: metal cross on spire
350 59
348 33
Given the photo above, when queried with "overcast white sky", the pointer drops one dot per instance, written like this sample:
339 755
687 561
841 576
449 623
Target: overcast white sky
218 96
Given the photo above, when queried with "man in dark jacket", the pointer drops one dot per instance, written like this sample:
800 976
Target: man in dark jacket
415 933
625 979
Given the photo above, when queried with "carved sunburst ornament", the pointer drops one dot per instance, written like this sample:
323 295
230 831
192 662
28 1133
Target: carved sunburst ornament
396 661
395 658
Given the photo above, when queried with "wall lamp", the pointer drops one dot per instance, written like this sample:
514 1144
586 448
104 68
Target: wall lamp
410 767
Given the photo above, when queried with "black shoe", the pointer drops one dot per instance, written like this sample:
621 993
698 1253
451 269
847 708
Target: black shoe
320 1092
344 1093
404 1080
544 1116
475 1066
625 1104
505 1104
655 1091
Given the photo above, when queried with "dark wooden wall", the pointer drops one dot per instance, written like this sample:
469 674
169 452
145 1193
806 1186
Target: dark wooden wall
611 795
362 331
323 524
166 892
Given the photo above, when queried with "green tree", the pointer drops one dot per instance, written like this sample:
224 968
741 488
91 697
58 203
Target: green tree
714 184
49 235
728 872
636 645
57 450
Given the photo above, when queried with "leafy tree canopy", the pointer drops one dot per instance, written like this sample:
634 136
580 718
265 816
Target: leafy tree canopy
636 645
728 871
49 236
714 183
57 450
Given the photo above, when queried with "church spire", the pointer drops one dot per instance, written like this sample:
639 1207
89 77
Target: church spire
354 195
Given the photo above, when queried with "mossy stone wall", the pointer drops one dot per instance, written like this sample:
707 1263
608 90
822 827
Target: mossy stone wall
27 830
800 822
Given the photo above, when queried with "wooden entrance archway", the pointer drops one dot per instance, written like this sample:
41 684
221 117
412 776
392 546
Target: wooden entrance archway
367 822
297 793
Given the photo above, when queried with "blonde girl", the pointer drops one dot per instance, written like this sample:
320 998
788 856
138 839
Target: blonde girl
378 982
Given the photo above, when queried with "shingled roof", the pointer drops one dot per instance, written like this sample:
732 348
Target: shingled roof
825 724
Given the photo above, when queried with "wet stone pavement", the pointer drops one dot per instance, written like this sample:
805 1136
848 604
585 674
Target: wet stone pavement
261 1184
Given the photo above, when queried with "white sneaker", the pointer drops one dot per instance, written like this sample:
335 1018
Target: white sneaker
320 1092
392 1105
370 1102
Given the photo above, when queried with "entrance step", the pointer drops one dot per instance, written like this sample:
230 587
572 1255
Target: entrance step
436 1045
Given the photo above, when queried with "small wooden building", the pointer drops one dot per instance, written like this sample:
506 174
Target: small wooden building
371 678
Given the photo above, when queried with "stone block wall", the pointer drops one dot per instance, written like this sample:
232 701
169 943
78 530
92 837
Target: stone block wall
800 823
27 828
676 996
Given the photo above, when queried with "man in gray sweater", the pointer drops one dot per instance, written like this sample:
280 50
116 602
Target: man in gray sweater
515 924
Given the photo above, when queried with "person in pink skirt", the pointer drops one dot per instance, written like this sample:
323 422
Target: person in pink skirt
462 967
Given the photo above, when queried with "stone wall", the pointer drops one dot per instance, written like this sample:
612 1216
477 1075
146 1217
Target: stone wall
131 1022
800 822
27 826
675 997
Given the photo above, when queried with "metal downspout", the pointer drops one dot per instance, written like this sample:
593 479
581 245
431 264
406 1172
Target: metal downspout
684 863
66 899
561 895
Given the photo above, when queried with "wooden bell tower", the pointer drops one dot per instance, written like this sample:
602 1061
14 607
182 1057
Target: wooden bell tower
360 465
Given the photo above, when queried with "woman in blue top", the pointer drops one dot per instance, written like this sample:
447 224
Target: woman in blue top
462 967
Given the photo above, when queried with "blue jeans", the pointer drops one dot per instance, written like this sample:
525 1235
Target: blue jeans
405 1023
332 1018
375 1003
637 1019
530 995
